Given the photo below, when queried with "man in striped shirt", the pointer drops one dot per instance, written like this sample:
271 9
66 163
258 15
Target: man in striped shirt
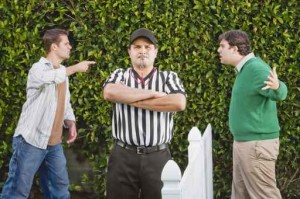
145 100
38 136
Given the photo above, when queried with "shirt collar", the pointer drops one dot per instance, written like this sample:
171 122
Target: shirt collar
43 60
243 61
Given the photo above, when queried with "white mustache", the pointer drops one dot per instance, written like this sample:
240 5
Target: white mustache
142 57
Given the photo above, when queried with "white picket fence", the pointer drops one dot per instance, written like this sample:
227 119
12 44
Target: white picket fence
197 179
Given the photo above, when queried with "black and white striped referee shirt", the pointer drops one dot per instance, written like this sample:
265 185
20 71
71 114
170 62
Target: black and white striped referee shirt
141 127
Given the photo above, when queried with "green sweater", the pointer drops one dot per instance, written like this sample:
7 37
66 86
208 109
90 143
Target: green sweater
253 112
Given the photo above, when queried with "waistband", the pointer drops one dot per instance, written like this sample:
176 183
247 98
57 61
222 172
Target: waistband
142 149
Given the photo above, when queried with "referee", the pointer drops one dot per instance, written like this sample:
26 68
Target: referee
145 100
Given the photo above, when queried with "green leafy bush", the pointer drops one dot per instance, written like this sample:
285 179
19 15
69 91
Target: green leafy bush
187 32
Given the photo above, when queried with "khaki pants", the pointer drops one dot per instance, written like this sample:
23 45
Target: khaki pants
254 169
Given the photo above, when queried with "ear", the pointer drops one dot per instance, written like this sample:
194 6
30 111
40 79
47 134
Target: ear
156 51
53 47
128 51
235 49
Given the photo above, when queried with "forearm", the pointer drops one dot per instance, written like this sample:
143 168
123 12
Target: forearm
277 95
79 67
168 103
117 92
71 70
271 86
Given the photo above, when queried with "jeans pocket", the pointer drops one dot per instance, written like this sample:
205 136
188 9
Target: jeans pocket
17 140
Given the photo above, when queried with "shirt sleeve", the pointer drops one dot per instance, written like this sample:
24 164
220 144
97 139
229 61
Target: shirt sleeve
116 76
260 77
40 76
69 114
174 84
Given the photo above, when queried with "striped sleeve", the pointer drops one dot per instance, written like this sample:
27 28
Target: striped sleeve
116 76
174 84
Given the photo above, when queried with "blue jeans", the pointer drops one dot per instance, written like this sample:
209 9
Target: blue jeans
26 161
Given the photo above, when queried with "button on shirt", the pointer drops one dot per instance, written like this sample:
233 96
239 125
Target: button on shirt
38 112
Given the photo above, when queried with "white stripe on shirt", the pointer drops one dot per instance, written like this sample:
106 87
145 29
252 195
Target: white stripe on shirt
141 127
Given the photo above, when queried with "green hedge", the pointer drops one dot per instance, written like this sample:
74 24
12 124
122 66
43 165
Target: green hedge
187 32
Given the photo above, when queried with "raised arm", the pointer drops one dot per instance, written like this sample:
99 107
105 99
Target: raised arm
271 86
80 67
40 75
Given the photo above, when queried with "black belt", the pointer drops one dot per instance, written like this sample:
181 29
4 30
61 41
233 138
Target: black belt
142 149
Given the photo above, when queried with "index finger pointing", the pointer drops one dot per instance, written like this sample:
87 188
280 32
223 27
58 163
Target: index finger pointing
90 62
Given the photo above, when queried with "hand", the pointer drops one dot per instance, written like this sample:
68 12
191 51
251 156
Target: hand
273 82
84 66
72 131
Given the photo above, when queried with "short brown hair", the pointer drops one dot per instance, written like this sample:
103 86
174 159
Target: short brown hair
52 36
239 39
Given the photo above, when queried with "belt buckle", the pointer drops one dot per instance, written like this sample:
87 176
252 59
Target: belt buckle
140 150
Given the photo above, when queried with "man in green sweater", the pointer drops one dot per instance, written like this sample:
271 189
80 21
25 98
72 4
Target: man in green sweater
253 118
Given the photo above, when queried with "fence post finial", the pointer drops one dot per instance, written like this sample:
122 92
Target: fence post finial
171 176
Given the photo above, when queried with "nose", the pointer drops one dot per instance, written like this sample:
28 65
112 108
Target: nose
143 50
219 50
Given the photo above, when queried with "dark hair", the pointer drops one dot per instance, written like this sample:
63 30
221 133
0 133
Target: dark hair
239 39
52 36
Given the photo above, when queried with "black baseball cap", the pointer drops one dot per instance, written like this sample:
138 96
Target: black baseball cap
143 32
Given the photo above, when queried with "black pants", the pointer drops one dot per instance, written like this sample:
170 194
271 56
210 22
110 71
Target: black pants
135 176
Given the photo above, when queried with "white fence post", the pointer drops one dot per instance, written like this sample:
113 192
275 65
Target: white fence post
193 179
171 176
207 145
197 179
194 139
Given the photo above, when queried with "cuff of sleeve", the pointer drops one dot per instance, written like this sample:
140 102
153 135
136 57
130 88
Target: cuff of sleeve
65 123
281 91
